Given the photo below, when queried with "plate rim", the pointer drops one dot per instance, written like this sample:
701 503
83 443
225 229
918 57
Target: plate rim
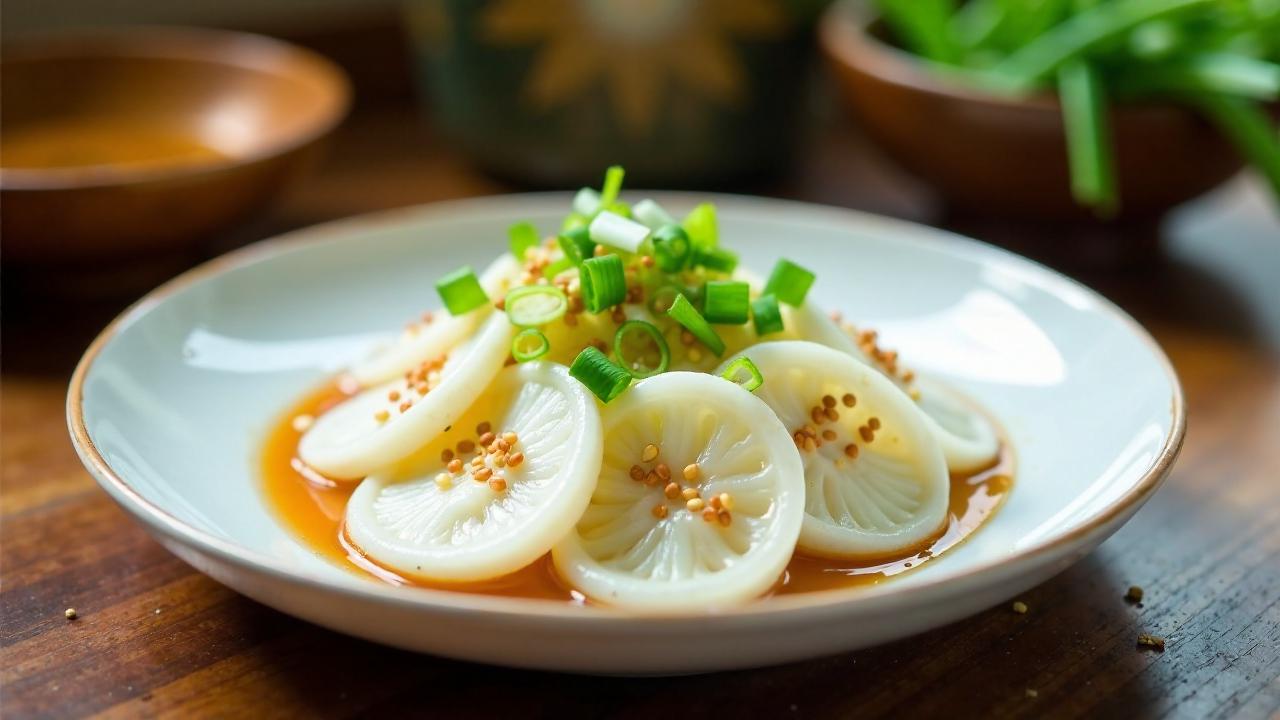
159 520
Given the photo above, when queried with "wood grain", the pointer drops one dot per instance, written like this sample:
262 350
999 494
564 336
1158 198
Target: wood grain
155 638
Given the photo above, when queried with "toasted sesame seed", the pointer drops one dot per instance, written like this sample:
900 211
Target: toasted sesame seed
570 319
486 438
455 466
465 446
483 428
828 401
618 316
686 337
500 459
646 260
494 447
649 453
510 438
422 388
444 480
515 459
866 433
714 502
709 514
672 490
689 493
446 455
914 393
636 473
694 355
908 376
691 472
381 416
1134 595
726 500
725 517
406 405
849 400
829 435
663 471
810 445
498 484
809 430
71 613
393 396
1020 607
873 423
302 423
832 414
659 511
851 451
694 505
477 461
483 474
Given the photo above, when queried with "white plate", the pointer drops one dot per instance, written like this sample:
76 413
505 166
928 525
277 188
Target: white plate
170 404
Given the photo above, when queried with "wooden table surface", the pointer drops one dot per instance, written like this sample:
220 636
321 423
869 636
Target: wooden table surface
154 637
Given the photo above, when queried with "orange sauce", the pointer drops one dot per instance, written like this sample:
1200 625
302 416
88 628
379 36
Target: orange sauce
311 507
95 141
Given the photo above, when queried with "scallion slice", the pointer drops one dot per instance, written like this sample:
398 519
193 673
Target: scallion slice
683 312
604 379
576 244
717 259
652 214
612 184
789 283
616 231
522 236
574 220
460 290
529 344
701 225
766 314
586 202
671 248
726 302
734 374
534 305
604 283
638 367
557 267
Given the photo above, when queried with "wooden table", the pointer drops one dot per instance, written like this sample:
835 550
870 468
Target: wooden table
155 637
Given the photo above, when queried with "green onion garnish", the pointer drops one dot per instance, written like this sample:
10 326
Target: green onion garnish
616 231
460 290
638 367
586 202
700 223
660 300
574 220
576 244
789 283
716 258
683 312
652 214
522 236
671 248
734 372
766 314
612 184
534 305
1084 115
529 344
604 379
604 283
557 267
726 302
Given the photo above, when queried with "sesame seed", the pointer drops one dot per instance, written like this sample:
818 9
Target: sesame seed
829 435
689 493
663 471
510 438
406 405
455 466
483 428
709 514
649 453
809 430
636 473
694 505
515 460
686 337
1020 607
726 500
494 447
498 484
500 460
482 474
714 502
422 388
652 479
446 455
694 355
691 472
393 396
71 613
828 401
381 416
646 260
1134 595
851 451
817 416
810 445
486 438
866 433
849 400
672 490
873 423
832 414
444 481
659 511
465 446
725 517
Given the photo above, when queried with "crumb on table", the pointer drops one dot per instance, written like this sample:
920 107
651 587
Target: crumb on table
1134 595
1155 642
71 613
1020 607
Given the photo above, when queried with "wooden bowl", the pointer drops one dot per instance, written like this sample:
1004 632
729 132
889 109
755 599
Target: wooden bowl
992 155
126 142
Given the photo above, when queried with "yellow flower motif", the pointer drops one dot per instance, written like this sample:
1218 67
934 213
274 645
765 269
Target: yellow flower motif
639 50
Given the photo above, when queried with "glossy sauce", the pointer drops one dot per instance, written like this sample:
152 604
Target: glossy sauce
311 507
93 141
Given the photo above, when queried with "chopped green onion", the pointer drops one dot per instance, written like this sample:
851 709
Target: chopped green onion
534 305
460 290
617 207
1084 115
651 214
604 283
671 248
789 283
726 302
586 202
576 244
683 312
557 267
636 367
733 374
661 300
766 314
529 344
1248 126
522 236
604 379
701 225
574 220
717 259
612 184
616 231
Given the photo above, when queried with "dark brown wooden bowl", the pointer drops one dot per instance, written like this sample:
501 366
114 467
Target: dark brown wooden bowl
992 155
120 143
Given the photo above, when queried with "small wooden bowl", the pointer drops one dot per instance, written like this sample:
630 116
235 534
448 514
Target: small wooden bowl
121 143
993 155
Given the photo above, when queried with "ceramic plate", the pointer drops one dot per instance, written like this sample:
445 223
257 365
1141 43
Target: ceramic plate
171 403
